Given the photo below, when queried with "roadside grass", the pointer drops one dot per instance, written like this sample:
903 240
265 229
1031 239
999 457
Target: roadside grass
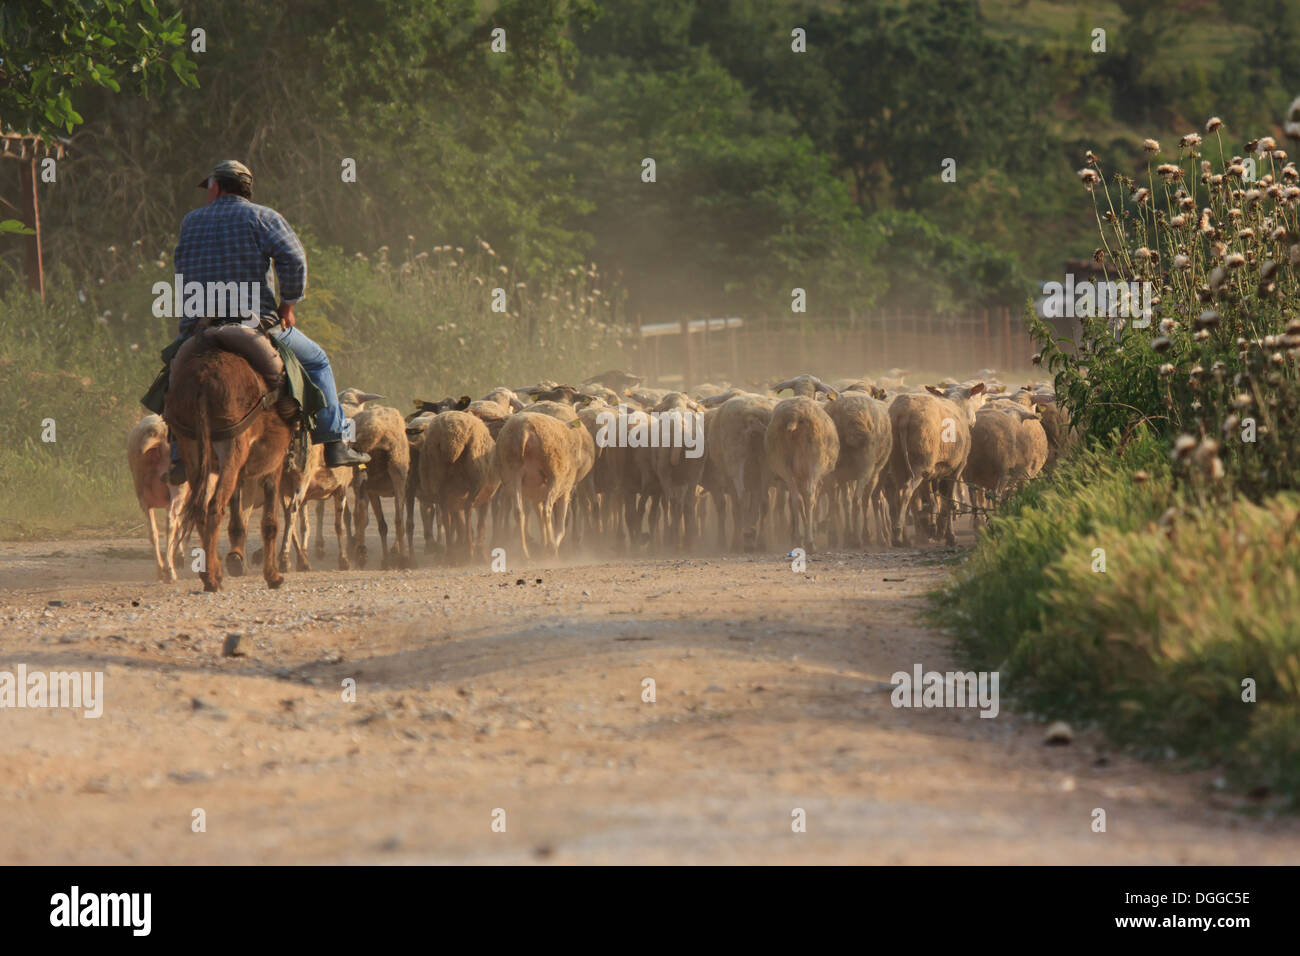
1154 650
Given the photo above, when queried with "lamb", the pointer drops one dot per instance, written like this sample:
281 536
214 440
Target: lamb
802 447
148 457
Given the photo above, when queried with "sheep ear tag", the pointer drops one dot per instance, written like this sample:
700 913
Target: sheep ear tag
576 423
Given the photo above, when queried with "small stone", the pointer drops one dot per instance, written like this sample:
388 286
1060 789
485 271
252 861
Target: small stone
190 776
236 646
1058 734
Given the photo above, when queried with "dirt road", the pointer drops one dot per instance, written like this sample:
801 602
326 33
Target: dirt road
476 693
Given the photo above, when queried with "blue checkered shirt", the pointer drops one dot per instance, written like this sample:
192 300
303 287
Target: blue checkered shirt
233 240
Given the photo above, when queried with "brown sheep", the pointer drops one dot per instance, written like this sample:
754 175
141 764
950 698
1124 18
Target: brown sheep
678 465
326 484
866 441
381 433
148 457
582 494
736 441
802 448
458 472
1008 446
931 444
539 459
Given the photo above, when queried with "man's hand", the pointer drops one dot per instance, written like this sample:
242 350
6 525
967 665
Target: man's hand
285 311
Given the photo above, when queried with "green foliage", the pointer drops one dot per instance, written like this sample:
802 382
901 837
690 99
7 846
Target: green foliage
1154 649
50 49
941 271
1217 368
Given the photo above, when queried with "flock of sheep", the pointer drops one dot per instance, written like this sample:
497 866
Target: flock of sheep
841 460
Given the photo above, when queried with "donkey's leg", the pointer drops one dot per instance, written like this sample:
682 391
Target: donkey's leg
340 512
238 533
270 528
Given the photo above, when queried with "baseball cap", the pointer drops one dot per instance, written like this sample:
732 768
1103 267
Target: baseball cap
229 169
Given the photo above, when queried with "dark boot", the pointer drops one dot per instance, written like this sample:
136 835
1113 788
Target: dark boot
176 473
338 454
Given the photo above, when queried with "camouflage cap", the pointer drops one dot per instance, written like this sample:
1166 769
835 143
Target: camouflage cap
229 169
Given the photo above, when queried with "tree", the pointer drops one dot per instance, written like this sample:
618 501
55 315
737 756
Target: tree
49 49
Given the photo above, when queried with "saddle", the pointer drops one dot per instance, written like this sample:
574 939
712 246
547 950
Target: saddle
253 346
289 392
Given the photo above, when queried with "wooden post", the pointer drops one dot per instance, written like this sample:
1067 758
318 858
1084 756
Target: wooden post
640 366
735 359
688 369
705 364
988 345
884 339
32 219
1006 336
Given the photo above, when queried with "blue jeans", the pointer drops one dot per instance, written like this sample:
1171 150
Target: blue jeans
329 420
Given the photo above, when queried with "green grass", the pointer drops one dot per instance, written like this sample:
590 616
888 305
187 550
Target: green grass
1155 649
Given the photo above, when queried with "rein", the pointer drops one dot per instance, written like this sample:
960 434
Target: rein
221 434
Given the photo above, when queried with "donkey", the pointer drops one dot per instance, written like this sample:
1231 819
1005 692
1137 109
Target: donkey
229 426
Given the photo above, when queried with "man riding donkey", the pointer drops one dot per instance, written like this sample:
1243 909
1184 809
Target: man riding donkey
224 396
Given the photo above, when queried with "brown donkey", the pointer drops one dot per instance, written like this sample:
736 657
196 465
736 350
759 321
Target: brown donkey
226 422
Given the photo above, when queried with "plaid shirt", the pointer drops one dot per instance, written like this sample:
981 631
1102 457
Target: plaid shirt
233 240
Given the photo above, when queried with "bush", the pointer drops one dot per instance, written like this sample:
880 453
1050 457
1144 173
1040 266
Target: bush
1155 649
1223 345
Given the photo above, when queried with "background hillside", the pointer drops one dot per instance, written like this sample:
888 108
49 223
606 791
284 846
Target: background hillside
775 169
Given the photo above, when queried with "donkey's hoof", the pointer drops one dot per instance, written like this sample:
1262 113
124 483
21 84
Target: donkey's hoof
274 582
235 564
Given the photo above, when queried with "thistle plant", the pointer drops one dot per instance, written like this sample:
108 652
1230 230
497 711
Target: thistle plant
1219 241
